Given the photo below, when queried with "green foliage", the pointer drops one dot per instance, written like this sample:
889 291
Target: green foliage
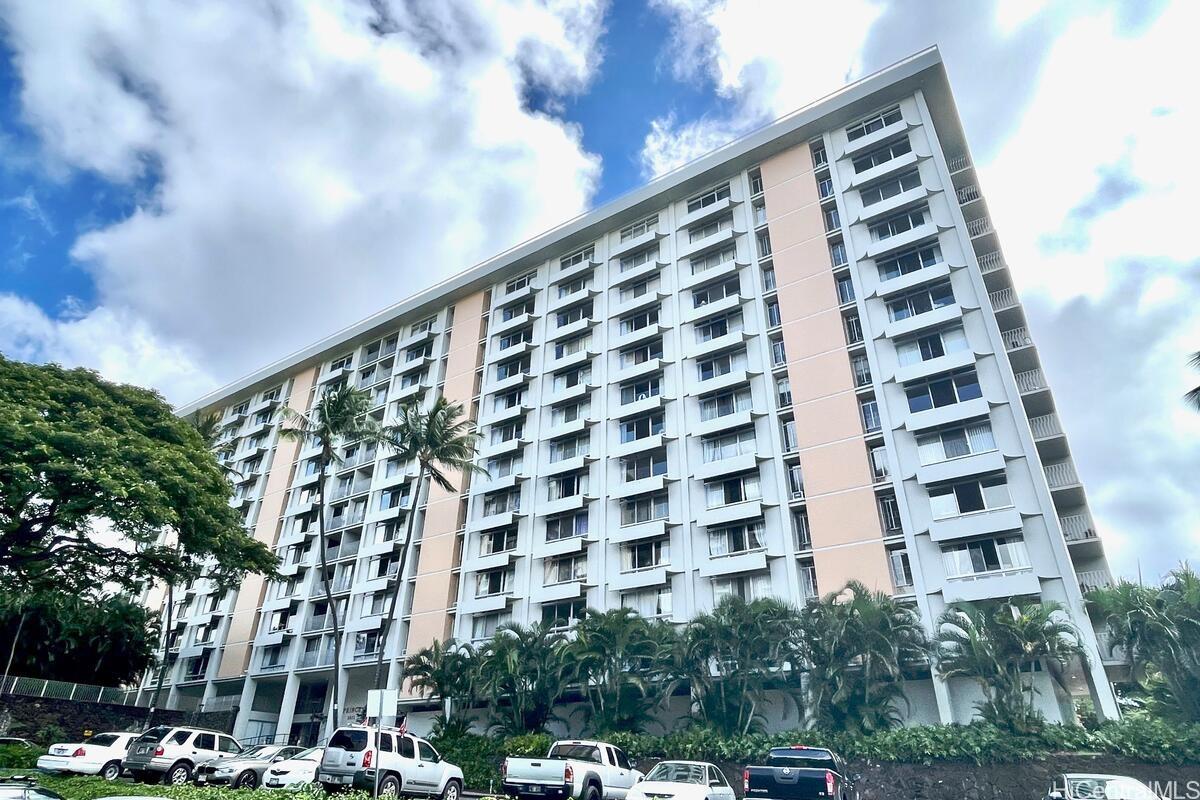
528 745
84 638
15 756
479 758
92 788
445 670
78 452
523 671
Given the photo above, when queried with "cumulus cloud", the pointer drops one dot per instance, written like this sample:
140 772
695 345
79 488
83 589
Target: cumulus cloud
300 164
1079 152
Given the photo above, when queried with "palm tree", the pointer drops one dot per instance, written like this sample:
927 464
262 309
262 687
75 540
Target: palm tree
339 415
1193 396
1158 628
440 440
623 663
444 670
995 643
523 670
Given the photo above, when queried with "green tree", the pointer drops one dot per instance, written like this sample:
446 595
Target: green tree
441 440
733 657
338 416
93 474
523 671
101 639
996 643
853 647
1158 629
446 671
624 665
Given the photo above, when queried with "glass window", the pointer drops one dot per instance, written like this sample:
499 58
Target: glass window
406 747
711 197
578 257
882 155
639 228
890 188
873 123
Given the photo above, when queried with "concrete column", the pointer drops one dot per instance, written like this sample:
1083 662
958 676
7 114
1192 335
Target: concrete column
287 708
244 705
941 693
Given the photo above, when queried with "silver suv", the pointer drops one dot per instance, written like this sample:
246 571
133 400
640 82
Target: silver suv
170 754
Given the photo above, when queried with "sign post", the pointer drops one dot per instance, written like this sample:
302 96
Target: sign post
377 701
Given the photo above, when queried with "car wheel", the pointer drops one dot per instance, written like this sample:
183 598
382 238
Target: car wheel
389 787
247 780
179 775
111 771
591 793
452 792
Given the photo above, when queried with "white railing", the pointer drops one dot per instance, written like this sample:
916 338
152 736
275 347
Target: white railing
959 163
1061 474
62 690
1044 426
1093 579
990 262
967 194
1003 298
1030 380
1015 338
1077 528
978 227
223 702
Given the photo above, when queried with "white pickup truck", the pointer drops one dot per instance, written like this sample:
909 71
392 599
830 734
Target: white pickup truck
573 768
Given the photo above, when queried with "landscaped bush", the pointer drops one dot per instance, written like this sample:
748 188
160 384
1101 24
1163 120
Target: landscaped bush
14 756
90 788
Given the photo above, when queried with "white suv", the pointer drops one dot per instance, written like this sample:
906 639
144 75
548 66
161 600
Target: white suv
97 755
406 764
172 753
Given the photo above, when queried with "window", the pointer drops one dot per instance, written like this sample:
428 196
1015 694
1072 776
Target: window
795 476
736 539
837 254
578 257
763 238
205 741
825 188
515 310
421 351
517 284
873 123
870 415
778 353
648 465
573 314
968 497
423 326
898 224
930 346
787 433
985 555
774 320
882 155
845 289
801 533
641 427
636 290
900 568
718 326
768 276
715 258
756 183
890 188
853 326
498 541
921 301
572 346
649 602
507 400
515 338
637 259
879 463
508 431
639 228
732 490
571 447
833 220
909 261
375 603
698 232
512 368
572 377
748 588
641 390
642 319
943 391
640 354
563 615
808 579
955 443
861 369
724 404
760 213
263 417
565 569
501 502
711 197
483 626
567 526
819 158
564 486
730 445
569 412
783 391
644 508
412 378
716 291
645 555
577 285
493 582
426 752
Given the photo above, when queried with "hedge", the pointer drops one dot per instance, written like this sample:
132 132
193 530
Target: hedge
16 756
90 788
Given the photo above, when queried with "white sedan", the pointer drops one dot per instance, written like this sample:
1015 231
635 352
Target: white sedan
682 780
97 755
295 772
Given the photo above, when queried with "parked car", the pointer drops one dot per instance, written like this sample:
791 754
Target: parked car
573 768
683 780
245 770
405 764
171 753
296 771
1077 786
25 787
97 755
800 773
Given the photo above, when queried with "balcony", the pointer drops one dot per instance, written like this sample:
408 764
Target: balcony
1045 427
346 520
958 163
316 659
1061 475
340 492
1016 338
1003 299
1030 381
341 551
991 262
980 227
1077 528
1093 579
967 194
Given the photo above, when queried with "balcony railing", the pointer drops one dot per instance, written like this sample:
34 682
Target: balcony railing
1077 528
341 551
1003 299
1015 338
1094 579
317 623
991 262
346 520
978 227
345 491
1030 381
1045 426
1061 474
967 194
959 163
317 659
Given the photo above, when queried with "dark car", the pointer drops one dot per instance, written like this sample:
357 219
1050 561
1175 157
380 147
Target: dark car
800 773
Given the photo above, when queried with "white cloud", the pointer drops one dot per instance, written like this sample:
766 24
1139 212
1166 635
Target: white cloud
299 169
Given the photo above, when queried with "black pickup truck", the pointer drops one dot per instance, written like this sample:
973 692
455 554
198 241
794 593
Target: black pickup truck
800 773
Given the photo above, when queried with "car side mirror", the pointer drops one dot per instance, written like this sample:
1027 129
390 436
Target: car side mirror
276 758
639 778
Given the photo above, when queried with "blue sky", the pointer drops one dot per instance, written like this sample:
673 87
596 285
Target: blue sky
177 178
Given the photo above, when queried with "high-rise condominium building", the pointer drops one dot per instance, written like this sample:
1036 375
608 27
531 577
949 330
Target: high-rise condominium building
796 361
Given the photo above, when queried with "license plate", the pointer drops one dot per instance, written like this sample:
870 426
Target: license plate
327 778
143 749
201 779
535 789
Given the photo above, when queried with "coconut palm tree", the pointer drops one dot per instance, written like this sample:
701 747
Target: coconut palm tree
441 440
995 643
339 415
445 670
1193 396
523 671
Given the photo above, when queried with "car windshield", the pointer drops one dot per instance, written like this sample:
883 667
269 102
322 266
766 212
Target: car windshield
311 754
578 752
154 734
676 772
1110 789
259 751
800 758
101 739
